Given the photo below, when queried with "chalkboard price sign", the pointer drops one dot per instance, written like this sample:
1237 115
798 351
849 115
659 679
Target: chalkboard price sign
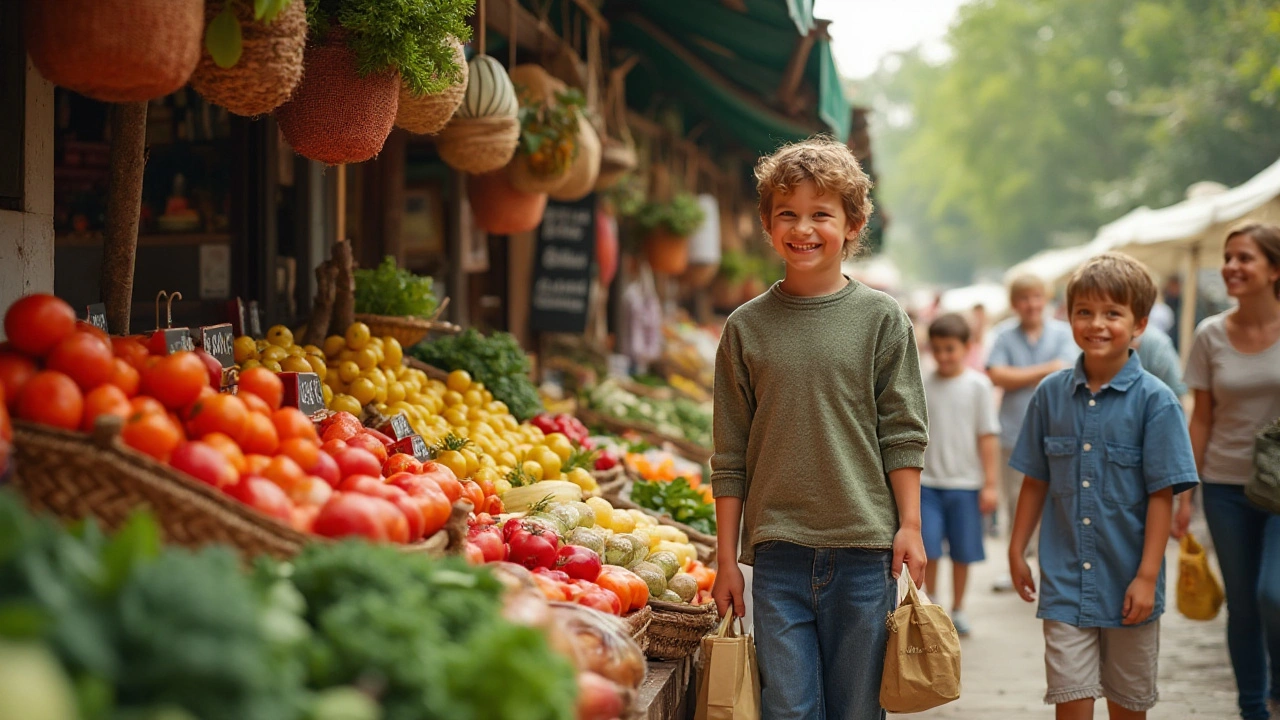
413 445
177 340
397 427
96 315
563 266
303 391
218 341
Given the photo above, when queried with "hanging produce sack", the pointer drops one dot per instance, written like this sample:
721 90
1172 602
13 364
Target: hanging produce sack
115 50
729 681
336 116
1199 594
585 169
428 114
499 208
922 658
483 133
269 66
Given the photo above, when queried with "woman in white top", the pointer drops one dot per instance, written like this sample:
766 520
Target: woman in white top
1234 369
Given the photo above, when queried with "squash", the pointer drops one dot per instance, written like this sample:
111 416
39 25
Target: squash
490 92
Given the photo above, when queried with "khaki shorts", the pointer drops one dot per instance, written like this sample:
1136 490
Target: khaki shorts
1116 663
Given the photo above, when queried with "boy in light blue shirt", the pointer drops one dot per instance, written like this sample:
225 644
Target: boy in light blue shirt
1103 447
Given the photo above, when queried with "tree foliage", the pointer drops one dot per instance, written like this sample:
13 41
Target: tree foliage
1053 117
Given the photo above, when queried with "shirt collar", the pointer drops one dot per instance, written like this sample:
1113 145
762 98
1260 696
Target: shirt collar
1127 376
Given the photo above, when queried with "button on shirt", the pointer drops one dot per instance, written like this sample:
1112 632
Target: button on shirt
1102 455
1012 348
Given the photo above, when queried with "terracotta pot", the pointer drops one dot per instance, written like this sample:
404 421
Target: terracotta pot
115 50
499 208
335 116
668 254
699 275
270 65
726 294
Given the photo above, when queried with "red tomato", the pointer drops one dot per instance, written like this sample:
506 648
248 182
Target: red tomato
264 496
255 404
579 563
217 413
619 585
401 462
355 514
357 461
303 518
125 377
84 357
204 463
473 554
372 444
340 426
489 540
413 516
283 471
15 371
229 448
104 400
494 506
175 380
333 447
551 590
211 366
259 435
311 492
264 384
51 398
472 493
291 423
36 323
154 434
435 507
445 478
131 351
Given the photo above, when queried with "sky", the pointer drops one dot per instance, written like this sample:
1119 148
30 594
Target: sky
864 31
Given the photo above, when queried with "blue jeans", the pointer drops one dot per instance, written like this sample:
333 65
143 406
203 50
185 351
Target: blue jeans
820 630
1247 542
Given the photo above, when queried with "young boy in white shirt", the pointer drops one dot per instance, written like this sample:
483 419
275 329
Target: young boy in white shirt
961 462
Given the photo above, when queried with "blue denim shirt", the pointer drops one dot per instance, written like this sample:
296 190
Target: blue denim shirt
1012 348
1102 455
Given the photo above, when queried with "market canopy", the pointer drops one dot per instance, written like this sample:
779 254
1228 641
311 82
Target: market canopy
760 71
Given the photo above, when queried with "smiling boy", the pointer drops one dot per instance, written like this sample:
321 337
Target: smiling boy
1104 447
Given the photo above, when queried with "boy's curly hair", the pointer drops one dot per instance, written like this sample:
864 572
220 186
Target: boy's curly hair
831 166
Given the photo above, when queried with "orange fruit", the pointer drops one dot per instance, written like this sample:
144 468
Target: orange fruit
153 434
36 323
51 398
176 380
125 377
255 464
263 383
255 404
217 413
145 404
131 351
15 370
229 449
104 400
259 435
291 423
283 471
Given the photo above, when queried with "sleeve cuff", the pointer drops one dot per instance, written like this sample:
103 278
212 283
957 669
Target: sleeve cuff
906 455
728 485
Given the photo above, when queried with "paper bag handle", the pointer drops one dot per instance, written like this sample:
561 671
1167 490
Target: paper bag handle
725 630
912 594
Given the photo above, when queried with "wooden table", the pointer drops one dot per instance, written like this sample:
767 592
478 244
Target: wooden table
668 692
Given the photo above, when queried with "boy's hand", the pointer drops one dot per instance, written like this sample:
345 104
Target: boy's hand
728 590
1139 600
908 547
988 500
1182 517
1023 582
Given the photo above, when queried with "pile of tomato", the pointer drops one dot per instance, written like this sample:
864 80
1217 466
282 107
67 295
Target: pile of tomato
334 480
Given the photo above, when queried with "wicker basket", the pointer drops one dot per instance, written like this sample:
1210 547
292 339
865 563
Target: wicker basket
73 475
427 114
638 622
523 178
270 65
115 50
676 630
478 145
408 331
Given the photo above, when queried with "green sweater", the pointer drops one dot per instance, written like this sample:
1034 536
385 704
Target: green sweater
816 401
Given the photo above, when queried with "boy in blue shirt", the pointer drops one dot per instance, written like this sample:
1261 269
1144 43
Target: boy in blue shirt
1104 447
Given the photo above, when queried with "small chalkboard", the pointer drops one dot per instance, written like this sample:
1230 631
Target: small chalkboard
177 340
563 267
96 315
255 319
397 427
219 341
303 391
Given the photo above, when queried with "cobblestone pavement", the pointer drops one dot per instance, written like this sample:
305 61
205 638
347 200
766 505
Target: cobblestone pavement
1003 660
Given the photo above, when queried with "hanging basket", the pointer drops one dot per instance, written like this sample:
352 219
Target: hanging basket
499 208
270 64
335 116
617 158
427 114
115 50
478 145
73 476
668 254
584 170
523 177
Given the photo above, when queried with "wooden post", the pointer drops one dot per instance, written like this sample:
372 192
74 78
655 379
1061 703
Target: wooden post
128 158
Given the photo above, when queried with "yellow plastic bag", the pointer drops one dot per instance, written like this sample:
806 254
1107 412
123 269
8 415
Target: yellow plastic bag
922 659
1199 593
729 688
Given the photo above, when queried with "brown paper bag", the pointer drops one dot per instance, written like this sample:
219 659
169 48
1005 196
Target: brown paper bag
1199 594
922 659
729 684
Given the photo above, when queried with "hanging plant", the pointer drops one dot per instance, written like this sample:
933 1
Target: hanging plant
253 52
680 217
549 132
359 54
115 50
427 114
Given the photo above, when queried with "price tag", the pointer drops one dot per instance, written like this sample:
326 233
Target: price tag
177 340
219 341
303 391
397 427
413 445
96 315
255 319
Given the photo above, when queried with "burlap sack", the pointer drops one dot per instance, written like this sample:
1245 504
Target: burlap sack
270 65
1199 594
922 658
